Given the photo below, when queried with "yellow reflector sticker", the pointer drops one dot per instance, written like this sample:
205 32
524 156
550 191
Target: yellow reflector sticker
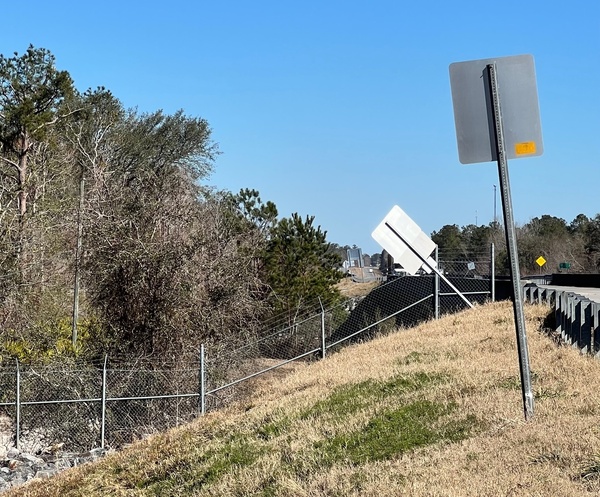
525 148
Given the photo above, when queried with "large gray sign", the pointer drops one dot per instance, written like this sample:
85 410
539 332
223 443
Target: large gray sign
473 115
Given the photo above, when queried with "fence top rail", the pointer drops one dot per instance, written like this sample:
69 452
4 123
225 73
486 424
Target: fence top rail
379 321
274 332
282 363
10 371
154 371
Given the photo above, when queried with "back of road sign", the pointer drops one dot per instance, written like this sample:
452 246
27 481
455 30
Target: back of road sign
412 235
473 114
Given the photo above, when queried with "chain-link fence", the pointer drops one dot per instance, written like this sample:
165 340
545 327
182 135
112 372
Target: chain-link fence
83 406
112 404
474 264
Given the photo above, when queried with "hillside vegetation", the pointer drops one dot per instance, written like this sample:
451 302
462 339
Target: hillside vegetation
435 410
113 241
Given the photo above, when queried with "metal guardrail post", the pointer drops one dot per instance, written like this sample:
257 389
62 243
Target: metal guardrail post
558 313
576 340
564 327
569 332
564 317
595 325
586 343
103 426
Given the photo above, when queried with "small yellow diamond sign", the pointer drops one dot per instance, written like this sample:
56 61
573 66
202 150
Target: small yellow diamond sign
540 261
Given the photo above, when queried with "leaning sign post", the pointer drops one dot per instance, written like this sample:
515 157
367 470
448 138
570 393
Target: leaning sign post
497 118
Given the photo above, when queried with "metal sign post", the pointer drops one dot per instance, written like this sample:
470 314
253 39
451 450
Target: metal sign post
482 136
511 243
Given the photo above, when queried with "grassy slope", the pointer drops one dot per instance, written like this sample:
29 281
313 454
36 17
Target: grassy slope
435 410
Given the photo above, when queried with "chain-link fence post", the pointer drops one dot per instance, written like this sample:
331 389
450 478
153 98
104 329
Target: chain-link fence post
103 414
323 348
202 382
492 272
18 406
436 286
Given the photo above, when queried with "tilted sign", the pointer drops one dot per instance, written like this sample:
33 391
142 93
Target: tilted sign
397 220
409 246
473 115
497 118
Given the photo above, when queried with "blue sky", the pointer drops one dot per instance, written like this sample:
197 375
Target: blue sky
342 109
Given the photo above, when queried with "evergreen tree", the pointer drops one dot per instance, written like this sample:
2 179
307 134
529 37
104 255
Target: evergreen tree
300 267
449 240
32 92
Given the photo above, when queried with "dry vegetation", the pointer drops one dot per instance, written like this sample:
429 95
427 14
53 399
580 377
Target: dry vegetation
349 288
435 410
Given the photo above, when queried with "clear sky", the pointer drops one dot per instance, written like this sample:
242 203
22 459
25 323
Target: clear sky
341 109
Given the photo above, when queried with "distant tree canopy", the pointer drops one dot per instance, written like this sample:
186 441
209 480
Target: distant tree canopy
577 243
112 201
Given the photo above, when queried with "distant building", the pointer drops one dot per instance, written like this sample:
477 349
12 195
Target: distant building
388 267
375 260
355 257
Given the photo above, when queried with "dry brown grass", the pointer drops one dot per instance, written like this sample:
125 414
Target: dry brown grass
350 288
268 445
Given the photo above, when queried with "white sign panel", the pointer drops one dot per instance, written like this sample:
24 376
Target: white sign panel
410 232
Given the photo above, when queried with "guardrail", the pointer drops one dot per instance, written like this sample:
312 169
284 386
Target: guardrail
577 317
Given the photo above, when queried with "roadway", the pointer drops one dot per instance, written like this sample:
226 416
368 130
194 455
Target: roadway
590 293
365 274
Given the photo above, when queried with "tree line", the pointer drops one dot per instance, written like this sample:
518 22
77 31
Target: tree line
573 247
110 240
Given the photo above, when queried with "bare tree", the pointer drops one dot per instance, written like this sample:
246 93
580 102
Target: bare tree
31 93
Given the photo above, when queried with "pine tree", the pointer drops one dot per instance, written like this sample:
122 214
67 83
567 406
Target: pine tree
300 268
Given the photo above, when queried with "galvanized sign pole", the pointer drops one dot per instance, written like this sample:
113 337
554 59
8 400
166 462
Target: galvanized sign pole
511 243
